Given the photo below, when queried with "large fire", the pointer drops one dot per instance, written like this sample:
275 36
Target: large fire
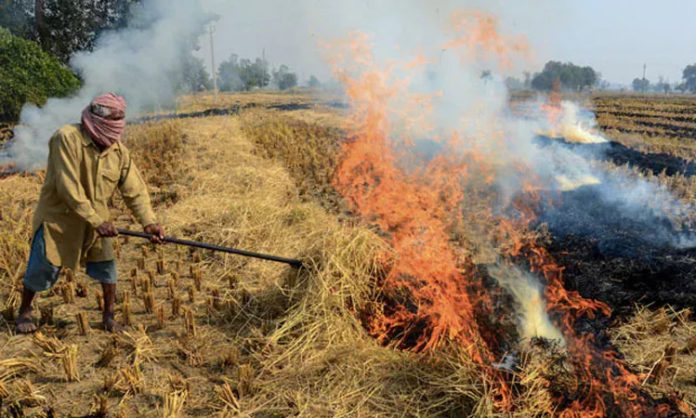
441 218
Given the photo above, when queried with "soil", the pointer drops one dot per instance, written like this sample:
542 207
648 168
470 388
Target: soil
620 154
620 260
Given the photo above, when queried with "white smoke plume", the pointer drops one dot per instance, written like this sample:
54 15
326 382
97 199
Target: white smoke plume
138 62
533 321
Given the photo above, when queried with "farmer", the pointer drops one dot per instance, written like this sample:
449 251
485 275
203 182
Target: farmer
86 164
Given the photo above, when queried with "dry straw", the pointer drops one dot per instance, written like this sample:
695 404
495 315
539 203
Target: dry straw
82 323
152 278
230 403
109 351
134 286
159 311
171 288
82 290
174 404
47 314
190 323
130 378
126 310
68 291
65 353
176 306
149 301
100 406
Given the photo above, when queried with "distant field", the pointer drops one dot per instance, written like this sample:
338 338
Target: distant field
216 335
654 123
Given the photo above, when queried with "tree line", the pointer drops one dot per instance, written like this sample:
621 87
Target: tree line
570 77
38 38
688 83
244 74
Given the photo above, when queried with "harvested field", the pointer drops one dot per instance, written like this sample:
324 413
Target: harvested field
213 334
652 123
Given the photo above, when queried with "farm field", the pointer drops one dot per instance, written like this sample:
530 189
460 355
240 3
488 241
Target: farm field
655 123
227 336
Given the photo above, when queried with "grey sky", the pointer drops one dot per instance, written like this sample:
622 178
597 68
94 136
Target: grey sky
614 36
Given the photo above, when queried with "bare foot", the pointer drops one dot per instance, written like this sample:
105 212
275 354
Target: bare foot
110 324
25 324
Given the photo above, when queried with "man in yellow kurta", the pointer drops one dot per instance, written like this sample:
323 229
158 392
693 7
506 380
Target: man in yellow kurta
86 164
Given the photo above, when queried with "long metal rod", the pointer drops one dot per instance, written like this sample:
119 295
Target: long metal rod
213 247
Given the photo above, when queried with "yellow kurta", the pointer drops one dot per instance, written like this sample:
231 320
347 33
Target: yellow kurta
80 180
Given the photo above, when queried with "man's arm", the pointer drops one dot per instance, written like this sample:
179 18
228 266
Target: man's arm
134 192
63 154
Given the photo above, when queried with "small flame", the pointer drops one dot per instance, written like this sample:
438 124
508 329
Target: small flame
567 183
565 122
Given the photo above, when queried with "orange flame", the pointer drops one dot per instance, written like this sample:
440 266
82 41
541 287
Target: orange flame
432 292
552 107
478 37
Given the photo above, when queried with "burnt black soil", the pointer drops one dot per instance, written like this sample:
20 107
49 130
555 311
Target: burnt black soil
619 258
620 154
235 109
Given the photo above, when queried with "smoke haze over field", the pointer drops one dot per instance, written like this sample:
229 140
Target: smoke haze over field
138 62
609 36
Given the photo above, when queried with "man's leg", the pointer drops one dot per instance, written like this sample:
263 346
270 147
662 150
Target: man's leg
105 273
24 323
108 317
40 275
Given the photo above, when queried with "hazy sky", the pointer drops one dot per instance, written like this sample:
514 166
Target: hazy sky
614 36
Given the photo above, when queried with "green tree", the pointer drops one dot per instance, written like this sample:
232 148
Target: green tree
662 86
254 74
570 76
689 77
243 74
14 16
313 82
193 77
640 84
513 83
29 75
63 27
229 75
283 78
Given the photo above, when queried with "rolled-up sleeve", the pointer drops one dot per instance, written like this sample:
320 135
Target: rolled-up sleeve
134 192
64 155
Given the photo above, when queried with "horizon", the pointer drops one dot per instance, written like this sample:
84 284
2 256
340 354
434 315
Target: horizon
610 38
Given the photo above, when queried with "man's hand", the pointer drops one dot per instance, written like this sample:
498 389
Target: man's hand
107 229
156 232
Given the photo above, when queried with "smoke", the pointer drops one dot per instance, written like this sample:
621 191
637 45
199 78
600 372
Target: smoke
140 62
447 97
465 102
533 321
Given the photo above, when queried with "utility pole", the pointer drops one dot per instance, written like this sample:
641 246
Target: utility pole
211 30
645 87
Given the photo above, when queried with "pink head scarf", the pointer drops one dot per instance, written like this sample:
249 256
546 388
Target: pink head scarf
104 119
